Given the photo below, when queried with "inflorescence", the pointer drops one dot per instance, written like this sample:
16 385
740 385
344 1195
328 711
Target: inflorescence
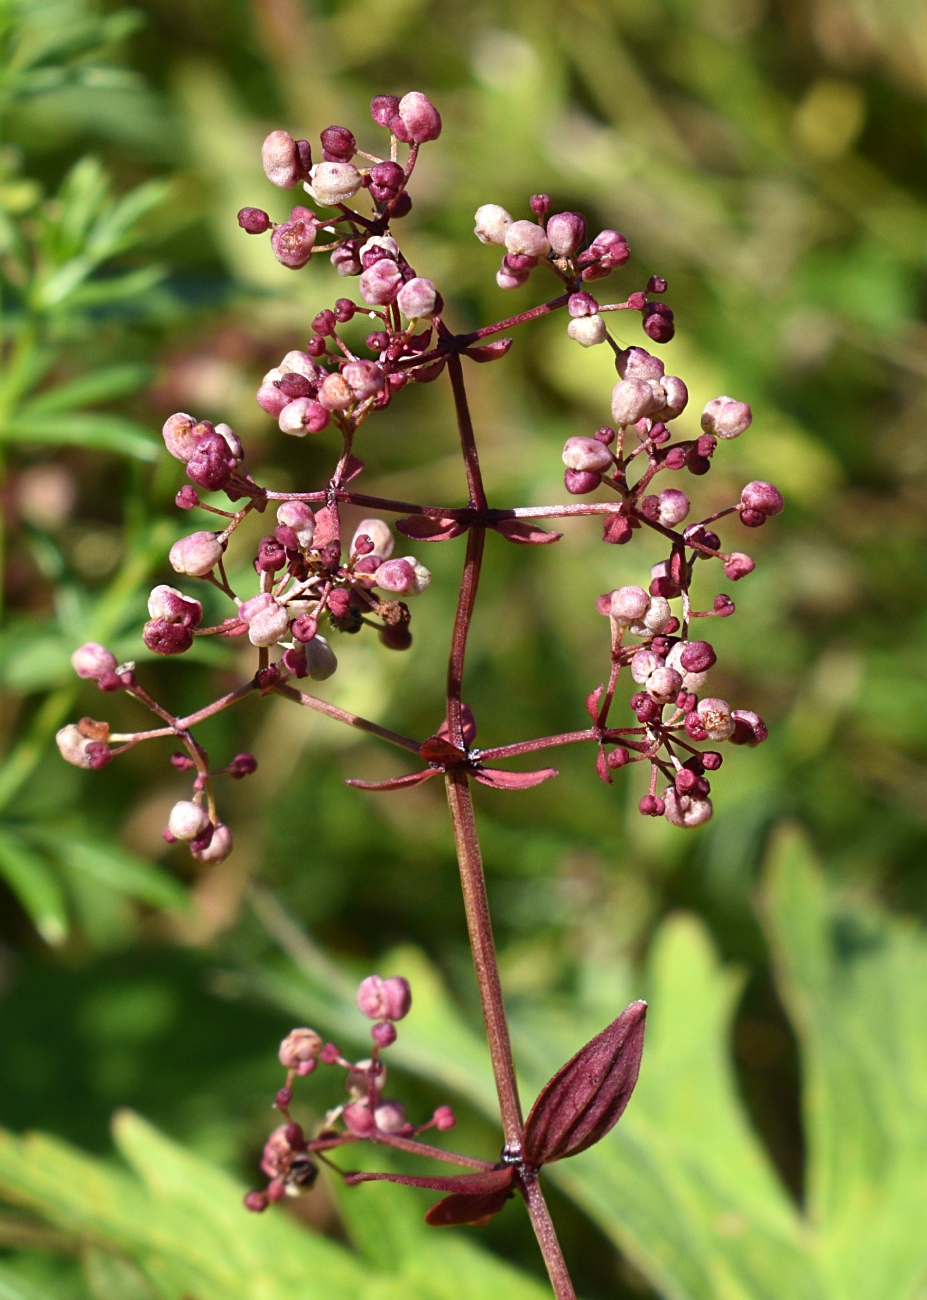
310 577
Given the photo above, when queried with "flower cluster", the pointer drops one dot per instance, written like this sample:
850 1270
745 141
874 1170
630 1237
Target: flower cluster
317 579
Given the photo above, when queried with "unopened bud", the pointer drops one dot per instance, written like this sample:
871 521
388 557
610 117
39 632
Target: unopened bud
254 221
197 554
763 498
92 660
726 417
333 182
715 717
293 242
566 232
378 531
420 117
320 659
491 224
364 378
628 605
381 282
685 810
738 565
73 745
281 161
187 820
587 330
384 999
526 239
417 298
299 1047
397 576
631 400
298 516
218 848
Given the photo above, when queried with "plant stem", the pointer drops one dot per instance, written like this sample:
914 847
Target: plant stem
546 1234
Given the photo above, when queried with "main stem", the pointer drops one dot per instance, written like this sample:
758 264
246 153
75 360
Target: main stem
472 877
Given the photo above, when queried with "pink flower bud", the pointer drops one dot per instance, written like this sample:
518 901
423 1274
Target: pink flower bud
384 999
270 398
390 1117
383 108
280 157
381 282
365 378
335 394
658 322
268 625
298 516
749 728
256 1202
631 400
170 604
379 533
444 1119
254 221
358 1118
762 497
92 660
218 848
197 554
715 717
664 685
304 416
383 1033
685 810
726 418
526 239
333 182
396 576
643 664
586 454
187 820
491 224
507 279
420 117
588 330
417 298
637 363
672 507
738 566
72 745
346 259
300 1045
628 605
579 482
582 304
566 232
696 656
321 661
675 398
292 243
181 433
165 638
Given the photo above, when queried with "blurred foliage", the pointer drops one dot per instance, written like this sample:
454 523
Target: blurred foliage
767 158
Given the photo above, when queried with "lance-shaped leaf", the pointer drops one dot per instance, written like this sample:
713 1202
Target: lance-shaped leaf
327 527
474 1198
525 533
427 528
499 780
488 351
437 749
587 1096
396 782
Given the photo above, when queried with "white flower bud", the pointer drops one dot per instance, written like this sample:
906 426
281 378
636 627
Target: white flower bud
632 399
685 809
232 440
526 239
386 242
672 506
663 685
491 224
320 659
643 664
587 330
629 604
335 394
333 182
268 625
675 398
196 555
422 575
726 418
295 363
72 745
655 619
218 848
298 516
187 820
638 363
379 533
91 660
716 718
586 455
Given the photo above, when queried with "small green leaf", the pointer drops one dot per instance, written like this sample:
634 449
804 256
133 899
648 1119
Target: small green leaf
35 885
98 386
100 430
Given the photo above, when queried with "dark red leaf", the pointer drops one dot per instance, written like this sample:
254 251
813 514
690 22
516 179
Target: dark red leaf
428 374
467 723
499 780
475 1210
327 527
587 1096
601 767
397 782
592 702
480 1183
425 528
438 750
525 533
489 351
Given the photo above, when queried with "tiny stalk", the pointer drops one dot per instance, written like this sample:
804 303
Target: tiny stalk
311 576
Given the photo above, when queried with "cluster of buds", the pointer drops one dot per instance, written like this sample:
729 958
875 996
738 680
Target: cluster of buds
290 1158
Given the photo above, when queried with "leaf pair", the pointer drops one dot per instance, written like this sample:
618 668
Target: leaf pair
430 528
577 1108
